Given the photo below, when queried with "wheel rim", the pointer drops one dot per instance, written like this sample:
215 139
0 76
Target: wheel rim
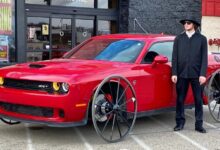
114 109
9 121
214 96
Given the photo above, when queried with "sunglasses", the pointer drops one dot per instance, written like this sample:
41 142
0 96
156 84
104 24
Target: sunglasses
187 22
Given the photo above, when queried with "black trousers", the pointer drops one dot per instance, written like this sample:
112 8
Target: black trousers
181 89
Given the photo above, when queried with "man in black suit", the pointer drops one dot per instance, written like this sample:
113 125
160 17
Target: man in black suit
189 65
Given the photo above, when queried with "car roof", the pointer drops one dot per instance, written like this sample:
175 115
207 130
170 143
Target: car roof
135 36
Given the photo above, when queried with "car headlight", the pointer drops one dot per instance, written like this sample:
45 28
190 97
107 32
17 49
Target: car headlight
61 87
65 87
1 80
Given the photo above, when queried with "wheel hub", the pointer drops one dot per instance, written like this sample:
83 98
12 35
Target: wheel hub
103 107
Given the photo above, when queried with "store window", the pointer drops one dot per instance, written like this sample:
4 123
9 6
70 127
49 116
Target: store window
38 38
106 27
7 31
61 36
103 4
107 4
74 3
71 3
84 30
40 2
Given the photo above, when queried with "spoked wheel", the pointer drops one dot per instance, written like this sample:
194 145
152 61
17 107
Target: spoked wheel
214 95
114 108
9 121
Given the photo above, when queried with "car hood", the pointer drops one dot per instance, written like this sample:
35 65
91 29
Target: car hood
62 70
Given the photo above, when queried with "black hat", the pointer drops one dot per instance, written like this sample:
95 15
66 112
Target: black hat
192 19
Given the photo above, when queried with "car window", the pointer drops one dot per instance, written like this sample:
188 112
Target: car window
163 48
121 50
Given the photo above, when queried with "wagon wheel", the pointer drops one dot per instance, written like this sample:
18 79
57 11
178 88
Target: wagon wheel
114 108
214 95
9 121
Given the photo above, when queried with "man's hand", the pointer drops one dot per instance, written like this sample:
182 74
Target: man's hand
174 79
202 80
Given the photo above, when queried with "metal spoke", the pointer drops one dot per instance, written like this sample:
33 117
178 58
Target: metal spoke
106 123
127 111
110 88
109 113
214 99
113 124
126 121
118 91
123 94
119 130
126 102
214 107
216 84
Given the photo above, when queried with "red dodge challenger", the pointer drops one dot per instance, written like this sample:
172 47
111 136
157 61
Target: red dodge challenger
112 79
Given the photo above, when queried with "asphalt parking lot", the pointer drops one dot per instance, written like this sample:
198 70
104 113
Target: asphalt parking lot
150 133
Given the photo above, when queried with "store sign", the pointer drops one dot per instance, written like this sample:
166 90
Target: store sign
45 29
3 48
5 17
31 32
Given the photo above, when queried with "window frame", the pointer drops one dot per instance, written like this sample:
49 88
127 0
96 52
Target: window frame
152 44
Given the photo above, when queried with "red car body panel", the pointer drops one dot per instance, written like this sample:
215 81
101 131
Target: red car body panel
154 89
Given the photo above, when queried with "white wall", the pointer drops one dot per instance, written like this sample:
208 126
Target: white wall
211 29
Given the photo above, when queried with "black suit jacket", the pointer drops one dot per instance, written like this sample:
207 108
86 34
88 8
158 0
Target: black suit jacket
189 58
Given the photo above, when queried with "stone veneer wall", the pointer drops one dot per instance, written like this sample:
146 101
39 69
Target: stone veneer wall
123 15
157 16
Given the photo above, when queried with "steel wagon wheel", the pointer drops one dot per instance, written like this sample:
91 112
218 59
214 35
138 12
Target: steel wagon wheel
114 108
9 121
214 95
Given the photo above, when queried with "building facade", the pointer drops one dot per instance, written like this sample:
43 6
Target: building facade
32 30
211 23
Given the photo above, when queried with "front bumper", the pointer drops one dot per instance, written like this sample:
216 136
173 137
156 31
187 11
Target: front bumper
48 123
42 107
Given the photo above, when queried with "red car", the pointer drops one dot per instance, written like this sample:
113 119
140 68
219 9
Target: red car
112 79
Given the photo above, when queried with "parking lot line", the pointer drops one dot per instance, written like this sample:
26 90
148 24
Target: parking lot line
29 140
206 123
180 134
140 142
86 143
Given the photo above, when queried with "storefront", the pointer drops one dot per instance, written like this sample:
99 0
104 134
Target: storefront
7 31
33 30
211 23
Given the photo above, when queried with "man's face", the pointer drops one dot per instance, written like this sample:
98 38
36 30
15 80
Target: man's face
188 25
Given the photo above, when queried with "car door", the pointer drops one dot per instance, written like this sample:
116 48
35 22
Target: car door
157 89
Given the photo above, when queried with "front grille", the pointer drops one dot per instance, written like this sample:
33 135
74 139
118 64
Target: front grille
28 110
28 85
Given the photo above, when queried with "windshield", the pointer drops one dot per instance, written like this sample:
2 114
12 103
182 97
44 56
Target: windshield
109 49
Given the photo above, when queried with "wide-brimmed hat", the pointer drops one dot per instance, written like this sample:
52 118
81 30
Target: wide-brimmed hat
192 19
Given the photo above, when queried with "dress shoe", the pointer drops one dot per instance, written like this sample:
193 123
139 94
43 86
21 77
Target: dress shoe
178 127
200 129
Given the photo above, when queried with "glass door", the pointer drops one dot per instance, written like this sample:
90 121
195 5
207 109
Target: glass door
61 36
38 38
50 37
84 29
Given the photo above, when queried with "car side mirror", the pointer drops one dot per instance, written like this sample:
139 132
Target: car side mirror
160 59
